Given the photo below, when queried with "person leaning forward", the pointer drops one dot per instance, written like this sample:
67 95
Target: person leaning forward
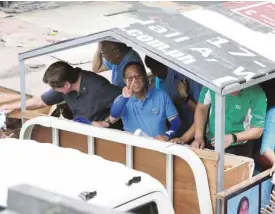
87 94
144 108
245 112
114 56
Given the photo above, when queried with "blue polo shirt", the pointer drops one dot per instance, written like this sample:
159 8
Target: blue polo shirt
117 70
169 84
149 115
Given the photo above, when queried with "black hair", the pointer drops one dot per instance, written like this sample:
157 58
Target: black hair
241 202
122 47
150 62
60 72
139 64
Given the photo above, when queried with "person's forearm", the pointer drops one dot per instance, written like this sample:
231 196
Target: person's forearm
200 121
269 154
175 124
118 107
191 105
190 134
97 62
250 134
35 103
113 120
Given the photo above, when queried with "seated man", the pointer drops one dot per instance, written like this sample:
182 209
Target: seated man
182 90
87 94
144 108
114 56
244 120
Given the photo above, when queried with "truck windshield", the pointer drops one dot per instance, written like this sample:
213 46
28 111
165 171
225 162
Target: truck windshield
149 208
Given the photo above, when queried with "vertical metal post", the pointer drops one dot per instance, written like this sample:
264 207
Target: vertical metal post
91 145
22 87
219 144
169 175
129 156
55 136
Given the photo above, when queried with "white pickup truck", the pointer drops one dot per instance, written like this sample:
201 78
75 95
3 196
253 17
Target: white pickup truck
79 176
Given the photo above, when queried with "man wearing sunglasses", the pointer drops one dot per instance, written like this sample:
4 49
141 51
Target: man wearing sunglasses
114 56
88 95
144 108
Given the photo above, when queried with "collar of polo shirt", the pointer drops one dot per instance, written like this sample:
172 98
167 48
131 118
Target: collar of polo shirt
148 95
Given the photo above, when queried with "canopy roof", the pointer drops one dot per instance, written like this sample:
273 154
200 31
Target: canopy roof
188 44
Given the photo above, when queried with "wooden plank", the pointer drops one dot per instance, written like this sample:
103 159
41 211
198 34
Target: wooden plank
151 162
235 175
243 184
205 153
42 134
73 140
185 192
110 150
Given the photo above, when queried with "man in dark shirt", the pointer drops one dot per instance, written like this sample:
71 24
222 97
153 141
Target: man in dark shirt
87 94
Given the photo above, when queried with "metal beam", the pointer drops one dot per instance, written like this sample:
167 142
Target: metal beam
219 144
122 37
235 87
68 44
22 87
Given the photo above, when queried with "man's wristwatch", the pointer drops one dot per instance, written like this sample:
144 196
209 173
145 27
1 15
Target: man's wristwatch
107 120
235 139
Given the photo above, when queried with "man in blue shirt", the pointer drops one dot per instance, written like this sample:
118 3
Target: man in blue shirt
183 91
141 107
114 56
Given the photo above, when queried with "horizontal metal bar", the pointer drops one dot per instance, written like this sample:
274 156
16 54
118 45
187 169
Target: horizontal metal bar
72 43
166 62
232 88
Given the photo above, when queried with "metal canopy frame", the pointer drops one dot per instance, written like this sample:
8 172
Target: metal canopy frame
117 35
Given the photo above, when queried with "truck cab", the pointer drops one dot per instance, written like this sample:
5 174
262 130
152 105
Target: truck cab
80 176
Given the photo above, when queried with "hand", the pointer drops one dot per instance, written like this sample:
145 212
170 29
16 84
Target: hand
198 143
271 207
182 88
99 47
127 91
177 140
162 137
7 108
102 124
267 210
228 140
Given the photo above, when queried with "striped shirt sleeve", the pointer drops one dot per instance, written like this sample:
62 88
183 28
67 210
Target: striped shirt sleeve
205 97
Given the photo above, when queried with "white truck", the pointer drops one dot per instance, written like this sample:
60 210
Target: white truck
80 176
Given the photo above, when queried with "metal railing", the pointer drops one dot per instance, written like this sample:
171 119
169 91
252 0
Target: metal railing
131 141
